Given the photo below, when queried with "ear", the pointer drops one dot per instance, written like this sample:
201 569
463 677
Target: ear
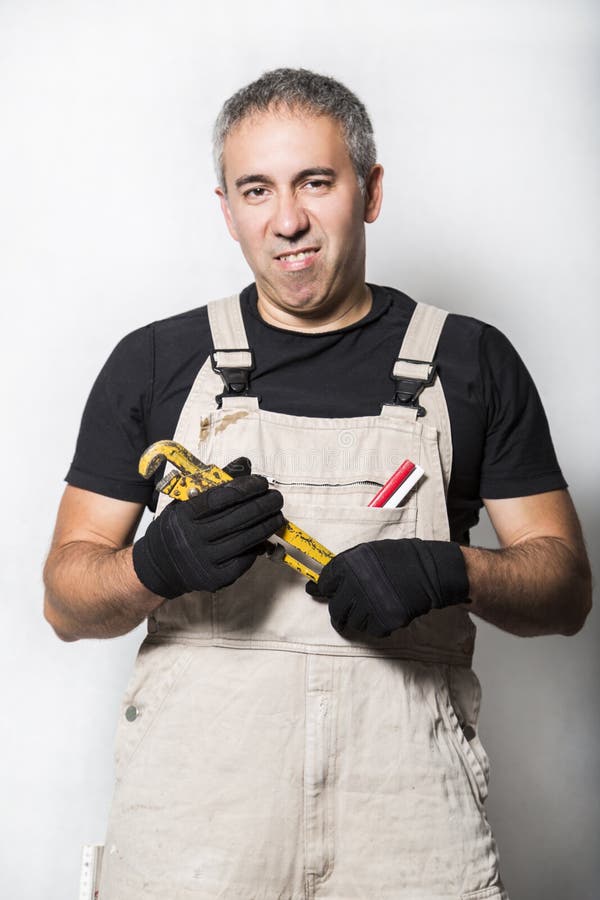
227 212
374 193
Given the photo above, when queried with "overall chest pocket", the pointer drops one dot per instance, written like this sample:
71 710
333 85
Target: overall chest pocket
339 516
269 603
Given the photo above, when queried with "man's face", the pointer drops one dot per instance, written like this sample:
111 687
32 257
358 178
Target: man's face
294 204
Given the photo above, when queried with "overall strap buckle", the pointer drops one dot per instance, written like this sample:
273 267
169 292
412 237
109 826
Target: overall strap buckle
411 377
236 378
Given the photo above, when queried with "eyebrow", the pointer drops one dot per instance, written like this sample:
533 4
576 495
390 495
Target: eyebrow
265 179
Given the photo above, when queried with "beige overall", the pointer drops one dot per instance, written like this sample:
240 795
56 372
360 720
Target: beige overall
262 756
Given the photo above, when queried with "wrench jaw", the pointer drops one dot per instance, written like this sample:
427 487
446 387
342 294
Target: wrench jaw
184 487
189 477
174 485
170 451
154 456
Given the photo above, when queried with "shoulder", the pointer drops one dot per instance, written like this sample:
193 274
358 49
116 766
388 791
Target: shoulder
479 350
174 338
152 361
481 370
484 352
185 326
171 326
173 334
460 334
394 302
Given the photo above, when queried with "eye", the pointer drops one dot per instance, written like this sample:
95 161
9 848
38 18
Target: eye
255 193
317 187
316 184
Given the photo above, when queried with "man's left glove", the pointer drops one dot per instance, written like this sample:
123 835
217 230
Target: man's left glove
380 586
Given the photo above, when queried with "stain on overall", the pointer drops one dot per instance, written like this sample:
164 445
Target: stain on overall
204 429
230 419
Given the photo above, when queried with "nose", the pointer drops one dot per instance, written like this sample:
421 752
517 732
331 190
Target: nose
290 219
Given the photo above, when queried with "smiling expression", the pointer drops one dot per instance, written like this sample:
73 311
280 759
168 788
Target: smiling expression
294 204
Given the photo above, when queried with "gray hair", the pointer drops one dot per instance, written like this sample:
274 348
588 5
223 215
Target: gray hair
311 93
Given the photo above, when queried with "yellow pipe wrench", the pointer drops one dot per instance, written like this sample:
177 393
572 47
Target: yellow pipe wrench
193 476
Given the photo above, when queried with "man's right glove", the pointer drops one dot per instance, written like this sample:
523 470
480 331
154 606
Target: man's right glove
206 543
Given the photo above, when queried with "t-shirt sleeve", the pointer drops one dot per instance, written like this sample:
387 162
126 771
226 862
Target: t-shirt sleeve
112 435
519 457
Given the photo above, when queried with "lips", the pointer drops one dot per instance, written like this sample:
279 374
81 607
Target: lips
298 259
297 254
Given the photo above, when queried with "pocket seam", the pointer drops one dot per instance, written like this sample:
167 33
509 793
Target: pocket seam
473 767
174 674
474 744
368 514
493 893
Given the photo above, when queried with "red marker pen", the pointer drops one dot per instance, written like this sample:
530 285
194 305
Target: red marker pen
397 486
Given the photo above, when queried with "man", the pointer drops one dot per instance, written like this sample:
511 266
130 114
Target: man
274 745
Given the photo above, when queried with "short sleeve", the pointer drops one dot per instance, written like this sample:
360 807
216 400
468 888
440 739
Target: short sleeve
112 435
519 457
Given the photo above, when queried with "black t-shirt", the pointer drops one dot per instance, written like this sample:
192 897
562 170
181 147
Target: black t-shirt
500 437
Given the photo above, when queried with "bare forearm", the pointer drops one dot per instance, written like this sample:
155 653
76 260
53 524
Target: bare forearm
92 591
539 586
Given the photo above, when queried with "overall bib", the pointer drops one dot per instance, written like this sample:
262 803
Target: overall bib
262 756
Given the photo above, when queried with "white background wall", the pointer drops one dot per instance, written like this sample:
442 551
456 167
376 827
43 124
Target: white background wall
486 115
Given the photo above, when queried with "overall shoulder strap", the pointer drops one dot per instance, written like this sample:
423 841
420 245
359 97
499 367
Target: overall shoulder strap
418 390
415 370
228 332
231 357
423 333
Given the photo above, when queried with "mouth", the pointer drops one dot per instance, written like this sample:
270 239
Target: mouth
298 259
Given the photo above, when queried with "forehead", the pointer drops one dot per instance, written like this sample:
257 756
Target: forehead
280 143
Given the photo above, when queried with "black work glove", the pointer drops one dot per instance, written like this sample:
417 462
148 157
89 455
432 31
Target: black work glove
380 586
206 543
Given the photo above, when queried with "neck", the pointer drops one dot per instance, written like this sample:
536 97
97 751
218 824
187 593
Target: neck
344 314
